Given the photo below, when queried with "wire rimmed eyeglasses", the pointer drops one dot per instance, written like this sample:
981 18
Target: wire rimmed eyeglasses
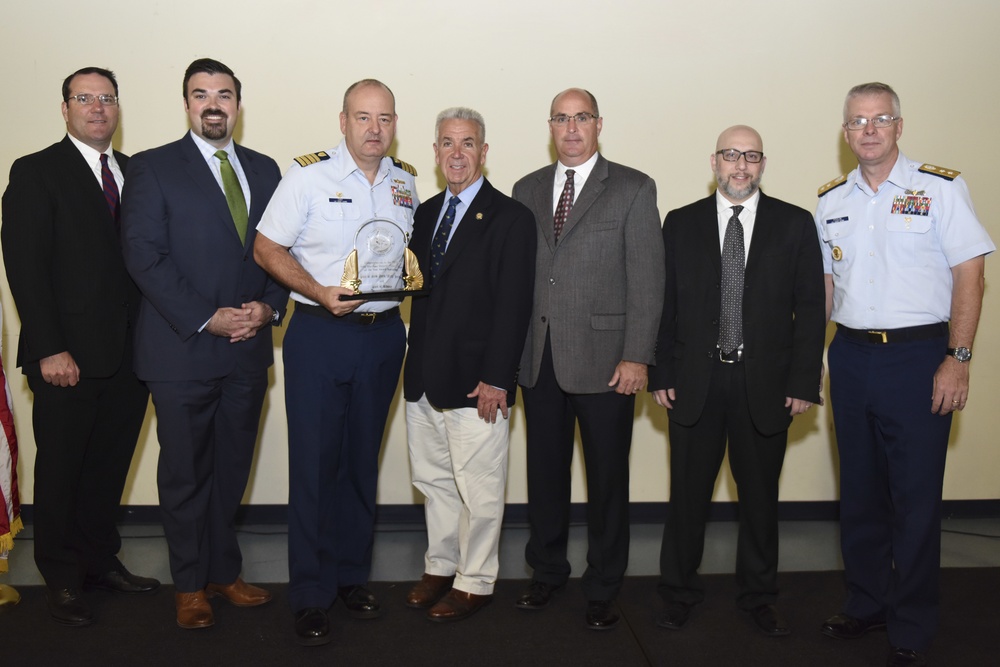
86 99
580 118
859 123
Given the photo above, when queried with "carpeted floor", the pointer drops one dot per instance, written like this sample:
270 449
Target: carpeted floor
141 631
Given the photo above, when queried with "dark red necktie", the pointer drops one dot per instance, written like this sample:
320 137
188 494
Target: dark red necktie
110 188
564 206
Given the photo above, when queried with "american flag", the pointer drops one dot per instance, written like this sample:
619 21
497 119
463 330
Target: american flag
10 506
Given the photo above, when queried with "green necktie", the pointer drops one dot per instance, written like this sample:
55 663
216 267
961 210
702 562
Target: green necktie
234 195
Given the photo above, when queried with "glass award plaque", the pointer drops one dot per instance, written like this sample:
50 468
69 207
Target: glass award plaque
381 267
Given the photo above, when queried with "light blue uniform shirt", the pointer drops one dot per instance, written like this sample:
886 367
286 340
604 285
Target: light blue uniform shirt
891 252
317 210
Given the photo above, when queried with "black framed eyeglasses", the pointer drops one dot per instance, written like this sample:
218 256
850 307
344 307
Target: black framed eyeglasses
733 155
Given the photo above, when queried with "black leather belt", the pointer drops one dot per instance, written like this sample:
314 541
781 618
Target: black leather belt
885 336
355 317
734 357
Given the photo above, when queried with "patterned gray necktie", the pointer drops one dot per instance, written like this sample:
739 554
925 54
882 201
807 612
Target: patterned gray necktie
733 265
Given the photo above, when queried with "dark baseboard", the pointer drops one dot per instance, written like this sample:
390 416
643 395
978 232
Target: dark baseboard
517 514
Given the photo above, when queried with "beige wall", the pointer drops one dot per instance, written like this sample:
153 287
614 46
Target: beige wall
669 77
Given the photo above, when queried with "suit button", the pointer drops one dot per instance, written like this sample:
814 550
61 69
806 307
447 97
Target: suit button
715 322
544 319
709 355
552 281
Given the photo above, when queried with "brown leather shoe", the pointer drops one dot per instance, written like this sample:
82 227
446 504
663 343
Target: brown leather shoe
239 593
457 605
193 610
426 592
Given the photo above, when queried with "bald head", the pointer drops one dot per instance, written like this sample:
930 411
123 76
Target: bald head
579 93
744 135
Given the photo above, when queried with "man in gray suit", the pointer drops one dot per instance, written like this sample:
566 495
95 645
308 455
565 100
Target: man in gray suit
599 277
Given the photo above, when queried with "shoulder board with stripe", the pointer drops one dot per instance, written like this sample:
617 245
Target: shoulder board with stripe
311 158
947 174
405 166
826 187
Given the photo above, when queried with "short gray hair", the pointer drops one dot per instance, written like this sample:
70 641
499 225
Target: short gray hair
873 88
461 113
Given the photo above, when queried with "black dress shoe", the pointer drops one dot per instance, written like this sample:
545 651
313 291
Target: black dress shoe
312 628
537 595
122 581
601 615
843 626
904 657
675 616
359 601
769 621
67 606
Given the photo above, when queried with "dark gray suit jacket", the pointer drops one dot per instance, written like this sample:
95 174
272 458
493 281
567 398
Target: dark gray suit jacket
599 291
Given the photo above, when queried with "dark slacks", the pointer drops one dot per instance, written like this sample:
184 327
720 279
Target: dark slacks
606 433
207 431
892 457
85 437
696 454
340 378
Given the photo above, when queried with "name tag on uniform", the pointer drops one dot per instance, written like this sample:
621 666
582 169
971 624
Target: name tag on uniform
835 220
340 200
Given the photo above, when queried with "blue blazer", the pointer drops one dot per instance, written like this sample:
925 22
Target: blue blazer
471 327
182 249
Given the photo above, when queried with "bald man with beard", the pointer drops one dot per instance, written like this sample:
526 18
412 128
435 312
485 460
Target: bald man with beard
733 367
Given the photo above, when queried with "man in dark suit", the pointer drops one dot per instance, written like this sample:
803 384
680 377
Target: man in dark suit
203 341
739 354
476 247
77 305
598 291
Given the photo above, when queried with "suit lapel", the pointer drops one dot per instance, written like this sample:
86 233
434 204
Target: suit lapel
708 233
199 171
473 222
761 234
592 189
81 177
257 197
542 203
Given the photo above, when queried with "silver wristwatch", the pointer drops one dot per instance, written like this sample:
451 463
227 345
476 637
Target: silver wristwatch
961 354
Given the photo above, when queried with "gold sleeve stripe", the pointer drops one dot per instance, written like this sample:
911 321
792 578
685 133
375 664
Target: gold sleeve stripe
311 158
947 174
405 166
826 187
